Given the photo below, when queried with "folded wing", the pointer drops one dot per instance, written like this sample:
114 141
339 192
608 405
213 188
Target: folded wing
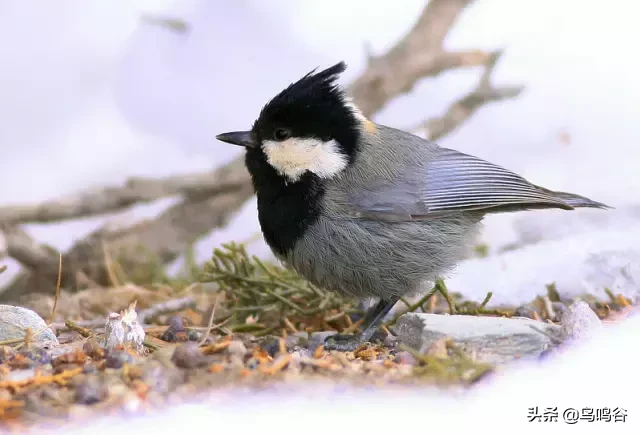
454 182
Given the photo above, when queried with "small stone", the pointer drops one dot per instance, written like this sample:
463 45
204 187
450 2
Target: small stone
405 358
390 341
194 336
237 348
175 332
296 340
117 358
272 346
299 352
317 339
580 322
14 321
90 391
188 355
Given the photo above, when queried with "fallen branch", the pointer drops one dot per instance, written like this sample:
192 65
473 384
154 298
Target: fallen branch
22 248
170 306
112 199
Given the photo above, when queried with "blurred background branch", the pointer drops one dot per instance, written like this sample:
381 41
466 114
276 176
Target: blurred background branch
209 200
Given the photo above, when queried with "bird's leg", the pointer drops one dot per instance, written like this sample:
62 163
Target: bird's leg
372 320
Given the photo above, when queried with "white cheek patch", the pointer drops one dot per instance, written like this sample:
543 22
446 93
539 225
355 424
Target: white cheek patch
293 157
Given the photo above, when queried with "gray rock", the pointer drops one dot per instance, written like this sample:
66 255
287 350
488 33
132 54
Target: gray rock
580 322
14 321
489 339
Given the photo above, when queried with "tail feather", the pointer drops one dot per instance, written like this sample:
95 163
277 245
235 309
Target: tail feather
575 201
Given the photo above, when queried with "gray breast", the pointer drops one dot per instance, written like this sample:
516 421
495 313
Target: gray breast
373 258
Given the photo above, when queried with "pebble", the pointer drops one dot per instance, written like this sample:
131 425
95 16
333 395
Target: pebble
317 339
390 341
90 391
405 358
188 355
175 331
271 346
93 349
117 358
14 321
299 353
580 322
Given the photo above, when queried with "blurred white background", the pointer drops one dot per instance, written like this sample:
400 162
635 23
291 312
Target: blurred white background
91 93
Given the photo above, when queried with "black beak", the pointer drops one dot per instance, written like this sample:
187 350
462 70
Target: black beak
242 138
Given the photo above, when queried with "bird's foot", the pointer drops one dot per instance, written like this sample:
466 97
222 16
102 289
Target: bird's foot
342 342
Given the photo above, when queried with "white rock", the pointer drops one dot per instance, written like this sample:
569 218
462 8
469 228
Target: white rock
14 321
580 322
490 339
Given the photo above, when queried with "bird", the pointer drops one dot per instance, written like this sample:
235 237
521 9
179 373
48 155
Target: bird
365 210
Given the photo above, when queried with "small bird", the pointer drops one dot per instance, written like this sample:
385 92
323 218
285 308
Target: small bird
366 210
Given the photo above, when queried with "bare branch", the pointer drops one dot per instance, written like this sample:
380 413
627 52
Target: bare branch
163 238
418 55
21 247
111 199
170 306
461 110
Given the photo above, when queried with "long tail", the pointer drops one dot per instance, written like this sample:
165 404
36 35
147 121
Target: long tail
575 201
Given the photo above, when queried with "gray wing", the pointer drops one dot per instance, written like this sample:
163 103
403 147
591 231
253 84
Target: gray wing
452 182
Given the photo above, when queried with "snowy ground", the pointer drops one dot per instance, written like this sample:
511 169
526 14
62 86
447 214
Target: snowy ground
91 94
577 379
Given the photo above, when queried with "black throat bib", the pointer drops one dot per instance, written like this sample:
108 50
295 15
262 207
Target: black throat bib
285 209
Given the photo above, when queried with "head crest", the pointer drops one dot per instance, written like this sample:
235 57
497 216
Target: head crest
313 88
314 106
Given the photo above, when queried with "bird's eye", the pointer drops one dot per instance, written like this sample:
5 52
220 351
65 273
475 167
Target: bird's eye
281 134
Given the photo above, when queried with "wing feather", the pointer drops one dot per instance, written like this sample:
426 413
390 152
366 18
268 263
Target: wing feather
451 182
457 181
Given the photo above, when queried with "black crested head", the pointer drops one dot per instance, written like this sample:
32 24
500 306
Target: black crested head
312 107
